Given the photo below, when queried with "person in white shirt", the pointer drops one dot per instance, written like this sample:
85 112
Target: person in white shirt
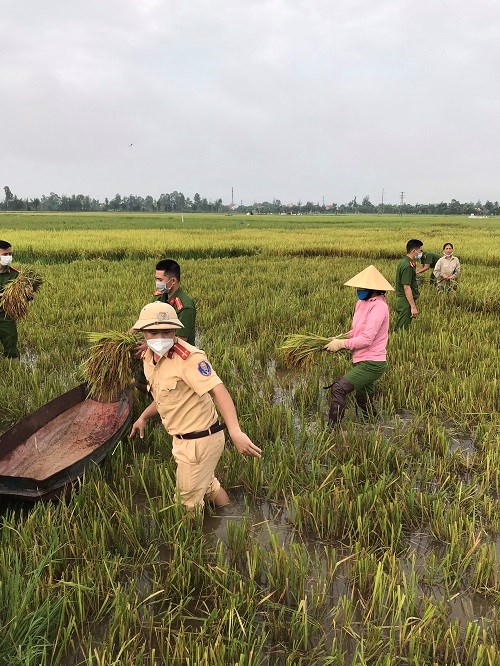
447 269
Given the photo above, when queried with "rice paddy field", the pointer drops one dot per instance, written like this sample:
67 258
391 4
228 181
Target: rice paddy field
376 544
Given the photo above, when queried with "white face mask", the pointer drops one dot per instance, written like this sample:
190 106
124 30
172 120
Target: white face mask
419 255
6 259
160 286
160 346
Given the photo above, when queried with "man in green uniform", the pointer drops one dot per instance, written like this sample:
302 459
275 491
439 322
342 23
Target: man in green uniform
406 285
169 290
8 328
428 260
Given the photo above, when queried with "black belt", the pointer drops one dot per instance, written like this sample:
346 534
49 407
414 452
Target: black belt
216 427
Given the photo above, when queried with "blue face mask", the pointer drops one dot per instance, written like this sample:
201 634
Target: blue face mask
363 294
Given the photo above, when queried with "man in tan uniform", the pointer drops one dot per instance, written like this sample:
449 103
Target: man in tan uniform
184 386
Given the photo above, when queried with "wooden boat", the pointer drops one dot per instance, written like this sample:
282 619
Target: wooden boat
48 449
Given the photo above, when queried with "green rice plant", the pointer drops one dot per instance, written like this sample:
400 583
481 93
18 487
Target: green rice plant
378 529
29 618
238 533
485 576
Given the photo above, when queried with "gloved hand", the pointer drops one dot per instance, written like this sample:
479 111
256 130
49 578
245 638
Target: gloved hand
335 345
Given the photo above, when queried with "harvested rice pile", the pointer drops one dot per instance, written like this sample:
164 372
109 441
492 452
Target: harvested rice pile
17 294
109 366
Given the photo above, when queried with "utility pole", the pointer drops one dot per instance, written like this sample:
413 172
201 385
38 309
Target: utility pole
232 197
382 201
323 200
402 202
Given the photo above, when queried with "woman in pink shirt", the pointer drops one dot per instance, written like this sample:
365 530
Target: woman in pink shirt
368 341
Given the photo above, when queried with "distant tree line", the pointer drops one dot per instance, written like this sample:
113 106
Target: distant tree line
177 202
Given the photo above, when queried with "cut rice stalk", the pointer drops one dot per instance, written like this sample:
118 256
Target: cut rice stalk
17 294
108 369
298 349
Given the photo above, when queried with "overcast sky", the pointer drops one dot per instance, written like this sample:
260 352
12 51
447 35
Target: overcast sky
290 99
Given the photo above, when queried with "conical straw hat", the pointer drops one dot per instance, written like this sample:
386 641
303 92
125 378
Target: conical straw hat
370 278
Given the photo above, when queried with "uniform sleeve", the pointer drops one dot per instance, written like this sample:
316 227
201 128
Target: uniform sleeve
197 372
374 321
407 275
187 318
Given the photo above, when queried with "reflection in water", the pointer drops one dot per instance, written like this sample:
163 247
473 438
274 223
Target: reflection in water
29 358
264 519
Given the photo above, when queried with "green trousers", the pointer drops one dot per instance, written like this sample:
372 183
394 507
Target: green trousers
403 313
8 336
364 374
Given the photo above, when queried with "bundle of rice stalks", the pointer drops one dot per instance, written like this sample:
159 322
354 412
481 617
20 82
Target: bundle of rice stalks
298 349
108 369
17 294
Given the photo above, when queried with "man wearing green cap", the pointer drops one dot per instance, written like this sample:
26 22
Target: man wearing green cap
367 339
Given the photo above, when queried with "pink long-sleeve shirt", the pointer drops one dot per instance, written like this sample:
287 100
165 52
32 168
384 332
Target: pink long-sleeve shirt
370 330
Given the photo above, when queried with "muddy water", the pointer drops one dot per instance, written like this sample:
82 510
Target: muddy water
29 358
266 519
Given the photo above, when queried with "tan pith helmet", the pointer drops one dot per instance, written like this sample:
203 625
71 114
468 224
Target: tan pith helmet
157 316
370 278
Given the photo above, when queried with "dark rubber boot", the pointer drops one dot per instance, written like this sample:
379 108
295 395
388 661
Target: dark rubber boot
364 405
340 389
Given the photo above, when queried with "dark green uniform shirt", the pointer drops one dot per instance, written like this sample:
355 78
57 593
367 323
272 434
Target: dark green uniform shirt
6 277
430 258
186 312
406 274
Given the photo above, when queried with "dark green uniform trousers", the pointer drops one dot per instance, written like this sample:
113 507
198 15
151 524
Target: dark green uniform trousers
364 374
8 336
403 313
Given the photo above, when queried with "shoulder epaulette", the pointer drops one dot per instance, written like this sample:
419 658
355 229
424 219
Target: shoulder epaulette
176 303
181 351
14 268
